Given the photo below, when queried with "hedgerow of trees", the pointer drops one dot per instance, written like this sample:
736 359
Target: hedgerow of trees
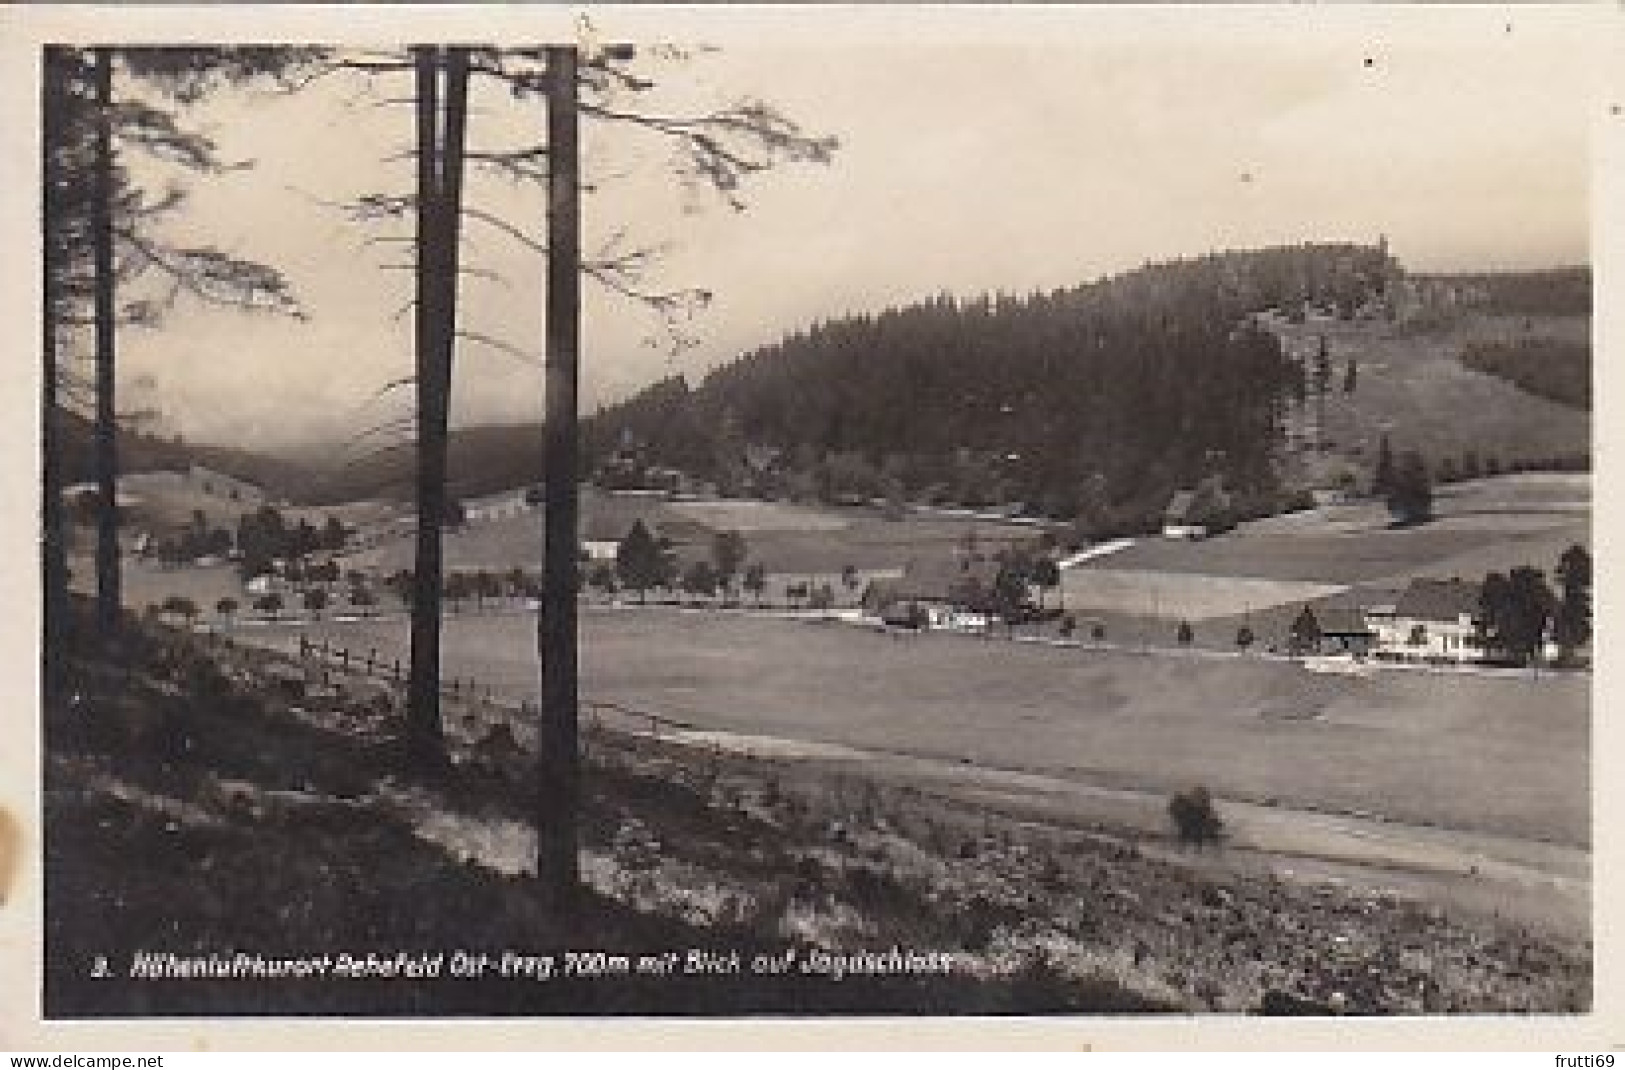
1518 611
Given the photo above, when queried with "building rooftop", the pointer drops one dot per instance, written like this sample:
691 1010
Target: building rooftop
937 580
1341 616
1440 600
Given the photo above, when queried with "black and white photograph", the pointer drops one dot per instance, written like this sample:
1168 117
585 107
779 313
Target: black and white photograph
1042 513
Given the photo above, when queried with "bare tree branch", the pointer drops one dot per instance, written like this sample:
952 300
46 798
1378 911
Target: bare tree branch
393 384
496 222
393 424
500 346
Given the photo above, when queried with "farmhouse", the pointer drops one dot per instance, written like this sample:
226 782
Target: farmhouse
1179 520
1343 629
1199 512
600 539
1434 620
935 594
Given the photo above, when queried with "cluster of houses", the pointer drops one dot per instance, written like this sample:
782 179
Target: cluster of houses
1432 621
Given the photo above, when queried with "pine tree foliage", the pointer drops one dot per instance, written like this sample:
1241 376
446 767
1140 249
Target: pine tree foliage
148 117
1571 622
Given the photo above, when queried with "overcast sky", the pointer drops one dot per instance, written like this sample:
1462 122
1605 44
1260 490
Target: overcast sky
968 163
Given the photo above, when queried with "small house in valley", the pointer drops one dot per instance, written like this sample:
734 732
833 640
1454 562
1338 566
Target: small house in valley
1433 620
951 594
1179 519
1199 512
1333 627
1343 628
601 538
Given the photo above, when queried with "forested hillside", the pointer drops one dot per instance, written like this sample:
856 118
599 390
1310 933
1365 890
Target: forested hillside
1092 402
483 459
148 453
1098 399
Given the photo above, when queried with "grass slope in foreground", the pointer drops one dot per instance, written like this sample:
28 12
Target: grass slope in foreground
187 810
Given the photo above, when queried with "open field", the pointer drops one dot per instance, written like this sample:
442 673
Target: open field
1526 501
206 817
1508 756
785 538
750 517
1265 568
148 584
165 502
872 543
1174 595
1313 558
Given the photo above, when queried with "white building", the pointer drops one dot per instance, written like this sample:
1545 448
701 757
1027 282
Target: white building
1434 620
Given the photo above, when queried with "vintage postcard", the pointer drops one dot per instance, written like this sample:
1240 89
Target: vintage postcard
1060 518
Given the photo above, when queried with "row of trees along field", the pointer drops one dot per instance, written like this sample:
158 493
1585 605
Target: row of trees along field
1104 397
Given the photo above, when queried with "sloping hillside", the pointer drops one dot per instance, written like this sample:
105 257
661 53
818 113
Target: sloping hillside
1412 386
481 460
138 453
209 802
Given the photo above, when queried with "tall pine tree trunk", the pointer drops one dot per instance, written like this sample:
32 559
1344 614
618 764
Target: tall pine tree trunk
53 548
423 714
559 789
441 135
108 596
